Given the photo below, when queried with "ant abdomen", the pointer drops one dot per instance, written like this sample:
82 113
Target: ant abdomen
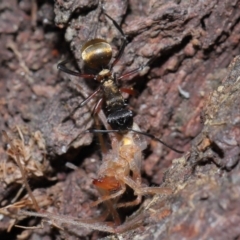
96 53
121 119
107 183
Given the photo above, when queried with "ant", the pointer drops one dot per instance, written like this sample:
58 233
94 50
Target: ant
97 54
121 168
114 174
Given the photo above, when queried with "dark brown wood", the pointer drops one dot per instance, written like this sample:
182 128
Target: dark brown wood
181 98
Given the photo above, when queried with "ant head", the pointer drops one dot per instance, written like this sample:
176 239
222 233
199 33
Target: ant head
121 119
96 53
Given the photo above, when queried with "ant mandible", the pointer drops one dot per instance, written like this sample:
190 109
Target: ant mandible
97 54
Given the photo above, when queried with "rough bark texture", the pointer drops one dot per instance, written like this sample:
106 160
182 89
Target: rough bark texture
205 204
186 94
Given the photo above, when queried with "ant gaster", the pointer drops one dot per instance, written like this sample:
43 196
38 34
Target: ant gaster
97 54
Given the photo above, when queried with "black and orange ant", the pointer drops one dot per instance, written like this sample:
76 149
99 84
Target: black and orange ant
97 54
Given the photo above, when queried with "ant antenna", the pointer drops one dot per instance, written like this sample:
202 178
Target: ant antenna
139 132
156 139
124 43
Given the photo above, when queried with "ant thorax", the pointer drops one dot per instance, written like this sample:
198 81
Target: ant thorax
119 116
111 92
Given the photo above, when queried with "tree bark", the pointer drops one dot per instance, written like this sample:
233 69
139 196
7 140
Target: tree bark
186 94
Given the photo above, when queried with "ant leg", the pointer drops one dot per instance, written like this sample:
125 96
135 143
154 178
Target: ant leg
63 219
62 67
129 91
111 196
131 224
137 69
130 204
113 212
155 190
101 131
138 190
89 97
98 106
124 43
136 178
96 110
156 139
119 54
117 26
110 207
83 103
